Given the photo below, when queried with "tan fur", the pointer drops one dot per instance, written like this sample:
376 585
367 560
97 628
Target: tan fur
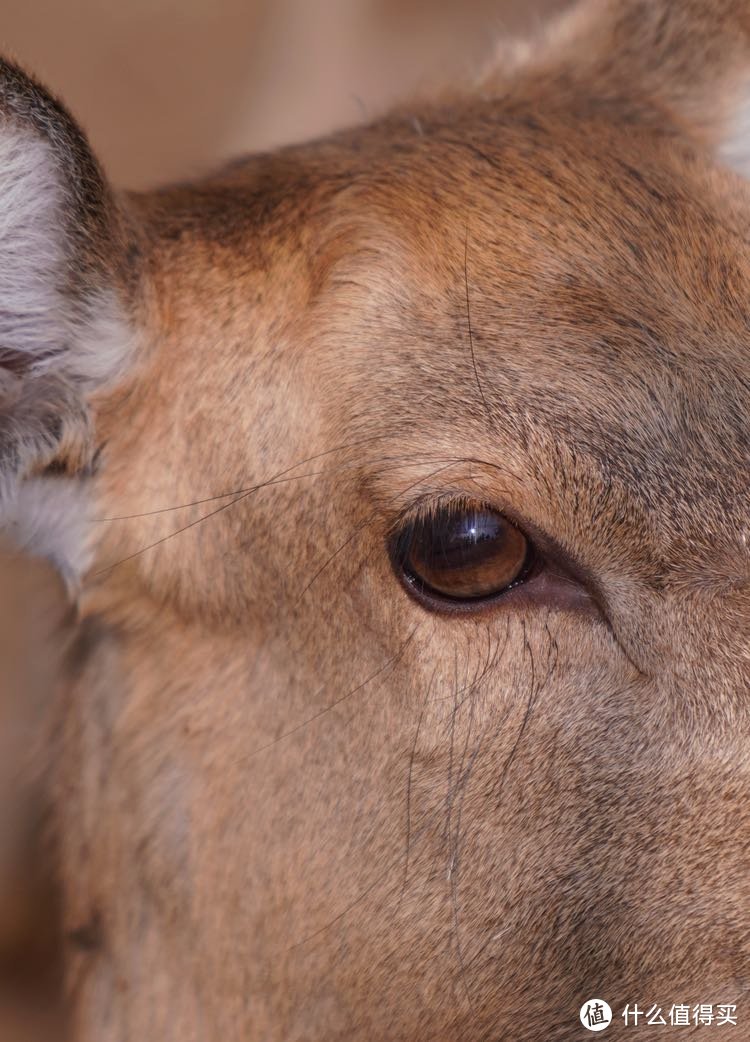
291 803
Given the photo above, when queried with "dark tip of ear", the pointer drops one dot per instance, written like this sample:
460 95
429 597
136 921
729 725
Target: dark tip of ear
27 105
24 100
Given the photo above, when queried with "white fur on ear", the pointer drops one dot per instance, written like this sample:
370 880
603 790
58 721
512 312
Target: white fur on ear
49 518
31 250
66 330
87 340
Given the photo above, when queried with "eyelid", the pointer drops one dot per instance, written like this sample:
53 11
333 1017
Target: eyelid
426 505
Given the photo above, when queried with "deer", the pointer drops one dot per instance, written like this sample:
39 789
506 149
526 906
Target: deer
397 484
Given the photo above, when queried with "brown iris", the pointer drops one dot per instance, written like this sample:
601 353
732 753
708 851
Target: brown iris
463 551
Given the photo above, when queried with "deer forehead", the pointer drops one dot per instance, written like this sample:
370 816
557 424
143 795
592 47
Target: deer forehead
532 303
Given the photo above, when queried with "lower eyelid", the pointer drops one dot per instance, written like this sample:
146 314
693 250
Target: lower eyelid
545 587
552 589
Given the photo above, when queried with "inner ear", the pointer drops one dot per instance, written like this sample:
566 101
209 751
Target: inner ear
67 283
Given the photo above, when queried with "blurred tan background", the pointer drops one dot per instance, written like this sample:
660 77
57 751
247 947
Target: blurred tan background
169 88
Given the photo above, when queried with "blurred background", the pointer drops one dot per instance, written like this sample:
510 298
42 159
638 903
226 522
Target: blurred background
167 89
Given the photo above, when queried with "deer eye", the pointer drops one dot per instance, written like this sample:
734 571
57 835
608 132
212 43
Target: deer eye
463 551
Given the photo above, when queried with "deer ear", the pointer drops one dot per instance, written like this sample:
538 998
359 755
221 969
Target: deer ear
681 64
66 274
67 278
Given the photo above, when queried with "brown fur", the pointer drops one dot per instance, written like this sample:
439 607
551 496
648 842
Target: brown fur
292 804
36 629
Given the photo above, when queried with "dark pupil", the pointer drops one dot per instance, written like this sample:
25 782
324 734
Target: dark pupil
465 553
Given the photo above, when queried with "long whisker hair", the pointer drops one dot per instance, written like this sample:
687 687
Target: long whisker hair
241 491
282 477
